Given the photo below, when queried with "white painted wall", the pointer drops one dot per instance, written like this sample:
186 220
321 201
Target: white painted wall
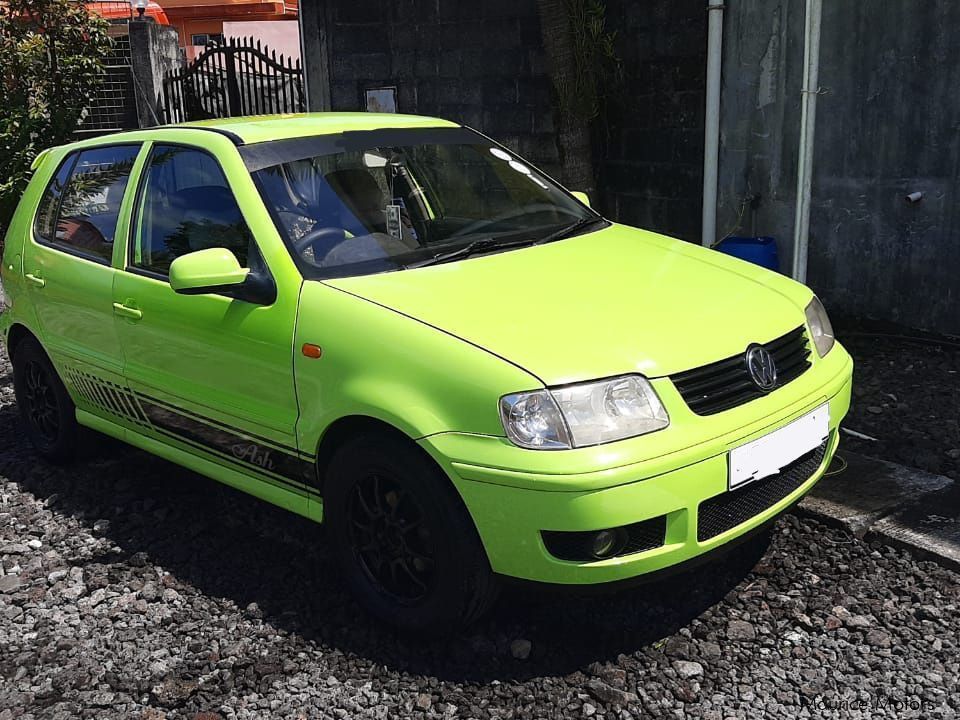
280 35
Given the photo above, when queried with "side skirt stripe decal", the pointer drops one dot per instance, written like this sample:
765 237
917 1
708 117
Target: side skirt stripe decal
269 459
95 391
236 446
223 426
264 475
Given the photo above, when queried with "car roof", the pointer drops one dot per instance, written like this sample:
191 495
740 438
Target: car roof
249 130
252 129
261 128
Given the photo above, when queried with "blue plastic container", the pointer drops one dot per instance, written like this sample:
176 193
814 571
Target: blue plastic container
758 250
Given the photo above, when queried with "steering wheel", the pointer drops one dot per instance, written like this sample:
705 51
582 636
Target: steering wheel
332 235
509 215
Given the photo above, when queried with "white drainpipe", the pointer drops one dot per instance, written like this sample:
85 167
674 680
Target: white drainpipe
303 61
808 122
711 141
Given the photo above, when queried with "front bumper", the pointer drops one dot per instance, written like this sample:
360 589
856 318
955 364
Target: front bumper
511 507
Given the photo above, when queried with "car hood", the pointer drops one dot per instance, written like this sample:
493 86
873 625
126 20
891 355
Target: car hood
610 302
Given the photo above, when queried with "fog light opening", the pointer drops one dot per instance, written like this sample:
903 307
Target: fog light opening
608 543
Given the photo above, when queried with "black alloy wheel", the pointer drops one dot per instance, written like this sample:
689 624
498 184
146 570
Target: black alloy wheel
40 402
48 414
391 538
407 547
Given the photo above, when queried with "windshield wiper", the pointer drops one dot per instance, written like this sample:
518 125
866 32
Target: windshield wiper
486 244
569 230
477 246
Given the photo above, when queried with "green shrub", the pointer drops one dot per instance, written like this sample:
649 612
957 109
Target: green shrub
51 63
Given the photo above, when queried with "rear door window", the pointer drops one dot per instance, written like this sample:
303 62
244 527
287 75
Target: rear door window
45 224
85 198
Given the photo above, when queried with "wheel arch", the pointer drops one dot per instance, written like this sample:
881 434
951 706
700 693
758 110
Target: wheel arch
476 585
349 426
17 333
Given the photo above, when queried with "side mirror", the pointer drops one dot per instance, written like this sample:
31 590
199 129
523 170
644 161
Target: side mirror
204 271
216 270
581 196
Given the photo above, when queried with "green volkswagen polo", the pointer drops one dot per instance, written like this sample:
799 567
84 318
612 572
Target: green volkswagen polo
396 326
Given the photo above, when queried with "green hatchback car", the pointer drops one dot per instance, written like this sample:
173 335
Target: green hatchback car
396 326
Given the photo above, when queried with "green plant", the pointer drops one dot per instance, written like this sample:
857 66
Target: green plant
584 70
51 63
597 67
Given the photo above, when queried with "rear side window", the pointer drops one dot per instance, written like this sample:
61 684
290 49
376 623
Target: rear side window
186 205
46 221
85 198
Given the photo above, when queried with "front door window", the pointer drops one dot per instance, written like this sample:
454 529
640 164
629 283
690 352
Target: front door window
186 205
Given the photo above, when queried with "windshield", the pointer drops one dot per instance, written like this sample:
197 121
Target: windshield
365 202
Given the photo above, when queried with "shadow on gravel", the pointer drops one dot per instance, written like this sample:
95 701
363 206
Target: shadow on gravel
238 550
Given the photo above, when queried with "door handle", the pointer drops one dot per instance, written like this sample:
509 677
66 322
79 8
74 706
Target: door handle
35 279
127 312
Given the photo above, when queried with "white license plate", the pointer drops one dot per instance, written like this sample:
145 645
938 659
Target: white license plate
769 454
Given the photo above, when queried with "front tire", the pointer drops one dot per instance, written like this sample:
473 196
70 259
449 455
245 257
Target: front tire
46 411
407 546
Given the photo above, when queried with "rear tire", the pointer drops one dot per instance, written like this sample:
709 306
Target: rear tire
404 541
48 414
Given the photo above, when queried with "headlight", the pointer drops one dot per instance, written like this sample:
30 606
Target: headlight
533 420
583 414
820 327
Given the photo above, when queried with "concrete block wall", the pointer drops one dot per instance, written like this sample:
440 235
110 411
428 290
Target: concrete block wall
653 176
483 64
886 126
478 63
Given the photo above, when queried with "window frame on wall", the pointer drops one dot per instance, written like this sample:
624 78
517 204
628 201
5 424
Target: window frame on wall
71 160
216 38
254 261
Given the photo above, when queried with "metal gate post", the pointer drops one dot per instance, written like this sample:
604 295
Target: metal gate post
234 106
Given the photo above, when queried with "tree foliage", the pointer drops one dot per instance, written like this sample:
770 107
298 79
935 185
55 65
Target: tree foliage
51 63
598 70
585 71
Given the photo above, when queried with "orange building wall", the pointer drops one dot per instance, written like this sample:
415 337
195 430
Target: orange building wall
194 17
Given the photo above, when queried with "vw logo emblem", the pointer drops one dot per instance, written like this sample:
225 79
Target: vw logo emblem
762 368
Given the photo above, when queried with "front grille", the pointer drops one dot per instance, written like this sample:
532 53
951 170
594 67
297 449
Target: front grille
724 512
641 536
726 384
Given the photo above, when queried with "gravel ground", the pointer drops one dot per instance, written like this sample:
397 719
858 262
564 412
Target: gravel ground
907 396
130 588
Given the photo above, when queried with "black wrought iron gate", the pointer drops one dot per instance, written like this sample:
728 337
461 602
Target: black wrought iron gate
240 77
